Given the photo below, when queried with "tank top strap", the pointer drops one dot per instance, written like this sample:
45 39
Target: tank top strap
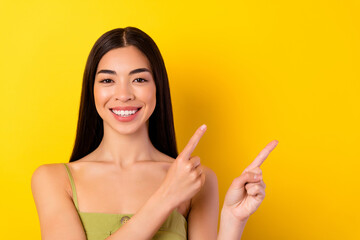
72 186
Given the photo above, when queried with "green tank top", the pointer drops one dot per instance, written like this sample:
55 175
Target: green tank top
99 226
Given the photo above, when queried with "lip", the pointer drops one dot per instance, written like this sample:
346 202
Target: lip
128 118
125 108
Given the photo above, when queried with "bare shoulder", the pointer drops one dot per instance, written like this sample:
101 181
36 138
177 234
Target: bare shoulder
57 213
48 167
210 187
49 180
209 190
210 174
204 214
48 174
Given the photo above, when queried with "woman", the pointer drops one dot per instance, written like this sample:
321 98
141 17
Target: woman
125 179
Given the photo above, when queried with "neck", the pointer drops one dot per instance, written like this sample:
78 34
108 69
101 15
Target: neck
125 149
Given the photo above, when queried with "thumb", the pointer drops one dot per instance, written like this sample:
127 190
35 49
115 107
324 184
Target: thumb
246 177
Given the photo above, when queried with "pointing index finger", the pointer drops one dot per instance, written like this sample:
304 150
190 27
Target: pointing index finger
194 140
262 155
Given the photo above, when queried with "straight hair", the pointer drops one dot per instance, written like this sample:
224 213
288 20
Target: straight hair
90 129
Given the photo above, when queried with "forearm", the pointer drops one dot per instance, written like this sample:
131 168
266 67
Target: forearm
230 228
147 221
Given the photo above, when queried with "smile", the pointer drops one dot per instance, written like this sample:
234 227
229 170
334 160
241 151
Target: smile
124 113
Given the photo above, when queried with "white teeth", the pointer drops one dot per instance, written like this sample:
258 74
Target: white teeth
123 113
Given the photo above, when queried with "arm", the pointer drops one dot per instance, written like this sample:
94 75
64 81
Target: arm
150 217
230 228
183 180
234 213
243 197
250 189
204 211
57 213
59 218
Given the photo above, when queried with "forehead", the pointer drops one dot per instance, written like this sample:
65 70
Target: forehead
124 59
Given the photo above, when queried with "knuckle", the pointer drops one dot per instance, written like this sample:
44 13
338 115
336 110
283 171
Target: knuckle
193 175
256 170
262 155
188 167
250 191
247 175
196 160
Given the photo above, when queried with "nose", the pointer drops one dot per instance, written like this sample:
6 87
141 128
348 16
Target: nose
124 92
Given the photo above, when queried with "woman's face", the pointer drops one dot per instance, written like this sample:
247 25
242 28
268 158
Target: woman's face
124 89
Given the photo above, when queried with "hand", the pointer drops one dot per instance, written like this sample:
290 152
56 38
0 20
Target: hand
185 177
248 190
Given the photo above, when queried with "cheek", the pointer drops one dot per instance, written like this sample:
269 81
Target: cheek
100 96
152 96
148 95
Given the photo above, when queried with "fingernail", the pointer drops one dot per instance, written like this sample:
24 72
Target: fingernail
203 127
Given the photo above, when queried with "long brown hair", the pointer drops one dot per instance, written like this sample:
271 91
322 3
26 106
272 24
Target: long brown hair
90 125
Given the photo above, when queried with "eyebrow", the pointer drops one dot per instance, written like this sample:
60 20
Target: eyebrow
138 70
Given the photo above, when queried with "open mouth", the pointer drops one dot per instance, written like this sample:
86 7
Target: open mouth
125 113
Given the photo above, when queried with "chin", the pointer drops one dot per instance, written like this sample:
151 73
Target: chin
127 129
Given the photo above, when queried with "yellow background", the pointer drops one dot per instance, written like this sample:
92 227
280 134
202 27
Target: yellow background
253 71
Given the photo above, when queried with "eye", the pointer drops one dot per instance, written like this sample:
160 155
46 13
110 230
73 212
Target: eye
106 81
140 80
